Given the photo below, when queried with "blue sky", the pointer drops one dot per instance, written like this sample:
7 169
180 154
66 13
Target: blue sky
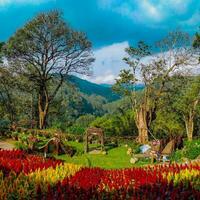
111 25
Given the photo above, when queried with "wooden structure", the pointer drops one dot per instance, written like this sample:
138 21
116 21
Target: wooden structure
169 148
56 147
90 133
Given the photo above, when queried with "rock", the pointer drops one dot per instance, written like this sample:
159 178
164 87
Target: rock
133 160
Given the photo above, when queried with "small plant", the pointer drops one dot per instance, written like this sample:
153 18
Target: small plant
21 146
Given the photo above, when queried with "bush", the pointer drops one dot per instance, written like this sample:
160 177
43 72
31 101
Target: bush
21 146
70 150
191 150
15 135
76 146
4 126
117 124
75 129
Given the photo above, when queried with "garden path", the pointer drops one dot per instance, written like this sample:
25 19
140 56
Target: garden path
6 145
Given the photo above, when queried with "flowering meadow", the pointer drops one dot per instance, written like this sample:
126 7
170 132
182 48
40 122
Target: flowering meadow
24 176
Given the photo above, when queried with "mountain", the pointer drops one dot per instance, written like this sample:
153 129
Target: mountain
89 88
106 85
104 90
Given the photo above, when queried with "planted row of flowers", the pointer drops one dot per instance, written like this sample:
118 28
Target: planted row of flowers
19 161
187 177
41 178
22 186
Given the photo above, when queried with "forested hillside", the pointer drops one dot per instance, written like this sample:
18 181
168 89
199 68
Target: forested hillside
89 88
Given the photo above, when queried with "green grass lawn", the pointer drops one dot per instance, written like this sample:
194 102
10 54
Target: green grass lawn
115 158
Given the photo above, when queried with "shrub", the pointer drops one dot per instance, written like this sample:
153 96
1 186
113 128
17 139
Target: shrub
21 146
4 126
117 124
191 150
76 129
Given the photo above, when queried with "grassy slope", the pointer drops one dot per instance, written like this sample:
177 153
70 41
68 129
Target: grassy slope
115 158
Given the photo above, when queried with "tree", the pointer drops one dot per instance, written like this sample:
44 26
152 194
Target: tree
6 97
45 51
1 52
187 104
196 46
169 121
154 71
196 42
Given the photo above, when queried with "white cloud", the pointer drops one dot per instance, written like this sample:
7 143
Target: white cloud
9 2
150 10
141 11
108 63
107 77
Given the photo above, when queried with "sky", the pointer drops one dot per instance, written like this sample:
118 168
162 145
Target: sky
111 25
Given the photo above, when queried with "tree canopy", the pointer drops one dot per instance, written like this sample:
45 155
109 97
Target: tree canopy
46 47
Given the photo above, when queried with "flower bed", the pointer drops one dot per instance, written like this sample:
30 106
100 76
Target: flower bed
32 177
18 161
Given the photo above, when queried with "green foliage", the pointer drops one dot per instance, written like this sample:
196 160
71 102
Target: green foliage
72 108
191 150
189 92
37 49
196 42
76 129
21 146
85 120
4 125
116 106
167 124
81 124
118 124
77 146
126 84
1 51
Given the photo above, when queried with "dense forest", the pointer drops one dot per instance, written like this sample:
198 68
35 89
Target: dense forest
40 84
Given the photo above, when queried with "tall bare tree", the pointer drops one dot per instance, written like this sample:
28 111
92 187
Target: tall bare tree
47 48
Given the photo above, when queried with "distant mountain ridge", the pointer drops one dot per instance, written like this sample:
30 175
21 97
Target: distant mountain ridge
104 90
90 88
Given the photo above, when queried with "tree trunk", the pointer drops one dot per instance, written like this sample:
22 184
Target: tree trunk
142 125
43 106
189 123
189 120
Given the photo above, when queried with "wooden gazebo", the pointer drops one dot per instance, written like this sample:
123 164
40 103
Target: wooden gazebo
93 131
